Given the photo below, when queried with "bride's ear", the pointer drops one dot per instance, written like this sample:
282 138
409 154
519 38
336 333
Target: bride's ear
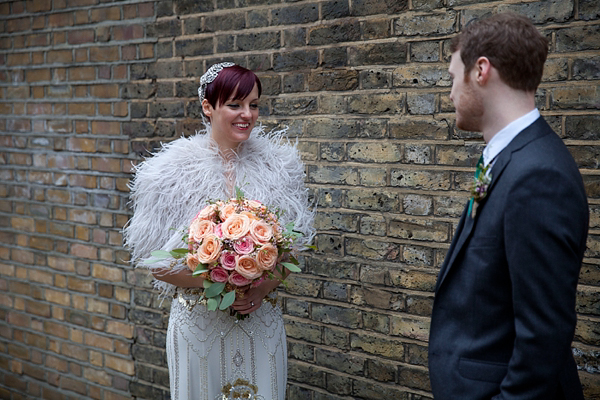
207 109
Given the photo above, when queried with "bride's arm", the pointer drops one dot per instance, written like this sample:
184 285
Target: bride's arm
181 278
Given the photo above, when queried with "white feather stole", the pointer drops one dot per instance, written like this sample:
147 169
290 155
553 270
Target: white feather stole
170 188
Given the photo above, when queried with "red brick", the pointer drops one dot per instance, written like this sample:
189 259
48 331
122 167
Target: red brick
60 19
55 363
128 52
106 127
106 14
146 51
81 127
58 196
60 125
81 55
104 72
82 109
40 243
86 181
81 144
59 38
146 10
18 7
82 3
39 108
18 24
82 36
104 53
39 22
37 308
40 39
34 6
82 17
82 73
59 56
81 285
128 32
105 91
129 11
61 264
103 109
37 75
84 251
18 125
17 59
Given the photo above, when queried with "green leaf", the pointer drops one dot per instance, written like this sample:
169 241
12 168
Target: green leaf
214 289
152 260
294 260
228 300
178 253
161 254
200 269
291 267
312 247
211 304
206 284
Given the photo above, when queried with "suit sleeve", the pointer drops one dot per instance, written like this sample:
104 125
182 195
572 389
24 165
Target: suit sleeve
545 232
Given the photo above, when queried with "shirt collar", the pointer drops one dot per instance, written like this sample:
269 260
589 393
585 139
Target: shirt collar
507 134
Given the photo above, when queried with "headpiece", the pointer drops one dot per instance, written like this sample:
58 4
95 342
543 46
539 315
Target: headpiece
210 76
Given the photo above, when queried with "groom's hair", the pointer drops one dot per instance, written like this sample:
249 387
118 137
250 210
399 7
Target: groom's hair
512 45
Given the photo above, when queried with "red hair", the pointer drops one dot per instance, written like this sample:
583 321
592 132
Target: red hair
233 81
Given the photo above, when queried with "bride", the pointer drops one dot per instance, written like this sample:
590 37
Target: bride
212 355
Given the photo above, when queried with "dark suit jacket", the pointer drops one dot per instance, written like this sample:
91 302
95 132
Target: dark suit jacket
504 311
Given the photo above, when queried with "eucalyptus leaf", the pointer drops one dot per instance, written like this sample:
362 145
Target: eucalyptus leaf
214 289
228 300
199 271
152 260
180 251
291 267
211 304
206 284
161 254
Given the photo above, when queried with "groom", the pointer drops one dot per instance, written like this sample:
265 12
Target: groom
504 312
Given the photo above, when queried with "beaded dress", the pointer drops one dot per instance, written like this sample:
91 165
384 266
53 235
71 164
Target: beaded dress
210 354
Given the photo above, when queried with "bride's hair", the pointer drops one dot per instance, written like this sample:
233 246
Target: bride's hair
232 79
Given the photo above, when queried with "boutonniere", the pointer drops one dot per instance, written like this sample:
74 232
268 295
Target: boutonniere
479 188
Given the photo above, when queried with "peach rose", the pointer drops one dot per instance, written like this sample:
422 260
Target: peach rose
235 227
226 211
248 267
192 261
208 212
261 232
254 204
200 228
209 250
266 257
250 215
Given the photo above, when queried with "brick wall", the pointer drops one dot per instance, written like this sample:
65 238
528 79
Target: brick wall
88 86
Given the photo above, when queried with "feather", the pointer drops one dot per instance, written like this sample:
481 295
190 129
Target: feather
169 188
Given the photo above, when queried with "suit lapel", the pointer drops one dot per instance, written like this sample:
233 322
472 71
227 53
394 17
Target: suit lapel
466 223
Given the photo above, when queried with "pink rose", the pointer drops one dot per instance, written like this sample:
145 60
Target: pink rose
248 267
244 245
200 228
266 257
208 212
236 226
219 275
228 260
261 232
238 280
210 249
218 231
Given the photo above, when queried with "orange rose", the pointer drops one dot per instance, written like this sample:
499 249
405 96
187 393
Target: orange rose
192 261
266 257
210 249
261 232
248 267
236 226
200 228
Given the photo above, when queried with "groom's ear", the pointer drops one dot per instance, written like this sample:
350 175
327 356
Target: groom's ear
483 69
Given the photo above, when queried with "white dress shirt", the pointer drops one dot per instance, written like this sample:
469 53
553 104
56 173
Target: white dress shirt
506 135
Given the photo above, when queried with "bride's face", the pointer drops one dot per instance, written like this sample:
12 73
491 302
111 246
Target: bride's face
233 120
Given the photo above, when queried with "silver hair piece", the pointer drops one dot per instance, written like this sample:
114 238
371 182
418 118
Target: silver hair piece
210 76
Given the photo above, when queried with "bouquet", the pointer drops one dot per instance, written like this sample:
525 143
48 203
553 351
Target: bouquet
233 245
